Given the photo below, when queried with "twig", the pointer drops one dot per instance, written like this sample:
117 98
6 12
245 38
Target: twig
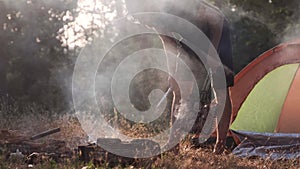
45 133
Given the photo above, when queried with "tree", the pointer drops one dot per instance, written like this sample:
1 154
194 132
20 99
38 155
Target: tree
30 49
258 25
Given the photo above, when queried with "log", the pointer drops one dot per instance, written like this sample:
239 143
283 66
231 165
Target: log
45 133
11 140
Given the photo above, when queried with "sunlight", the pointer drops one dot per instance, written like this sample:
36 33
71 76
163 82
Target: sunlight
93 16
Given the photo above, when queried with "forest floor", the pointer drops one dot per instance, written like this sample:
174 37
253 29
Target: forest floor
188 158
72 133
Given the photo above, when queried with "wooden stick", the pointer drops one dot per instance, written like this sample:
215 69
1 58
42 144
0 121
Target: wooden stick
45 133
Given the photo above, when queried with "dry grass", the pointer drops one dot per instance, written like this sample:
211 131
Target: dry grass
188 158
204 158
32 120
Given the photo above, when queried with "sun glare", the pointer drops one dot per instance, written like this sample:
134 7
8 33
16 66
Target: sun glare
93 16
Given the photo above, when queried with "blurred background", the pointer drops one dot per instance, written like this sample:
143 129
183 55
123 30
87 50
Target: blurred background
40 41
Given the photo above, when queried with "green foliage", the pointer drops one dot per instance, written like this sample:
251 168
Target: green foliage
90 165
276 14
30 50
250 39
259 25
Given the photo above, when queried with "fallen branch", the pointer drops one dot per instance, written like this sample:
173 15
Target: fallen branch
45 133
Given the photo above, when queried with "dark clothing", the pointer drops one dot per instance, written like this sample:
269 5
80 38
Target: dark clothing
206 17
225 54
213 24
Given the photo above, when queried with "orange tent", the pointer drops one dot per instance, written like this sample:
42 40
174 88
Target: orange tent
266 95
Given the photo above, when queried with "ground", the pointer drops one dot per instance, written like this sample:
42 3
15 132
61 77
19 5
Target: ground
72 133
188 157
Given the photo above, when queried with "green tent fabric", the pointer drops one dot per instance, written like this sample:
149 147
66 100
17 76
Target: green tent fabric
261 109
265 105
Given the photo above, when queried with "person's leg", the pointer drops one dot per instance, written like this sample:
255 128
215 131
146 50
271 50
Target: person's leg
174 136
223 126
225 54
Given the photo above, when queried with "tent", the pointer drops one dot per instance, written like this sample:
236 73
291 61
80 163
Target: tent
266 104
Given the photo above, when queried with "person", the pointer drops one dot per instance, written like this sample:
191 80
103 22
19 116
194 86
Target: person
215 26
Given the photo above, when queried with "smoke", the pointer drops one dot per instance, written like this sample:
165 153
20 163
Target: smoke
130 78
38 74
253 35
